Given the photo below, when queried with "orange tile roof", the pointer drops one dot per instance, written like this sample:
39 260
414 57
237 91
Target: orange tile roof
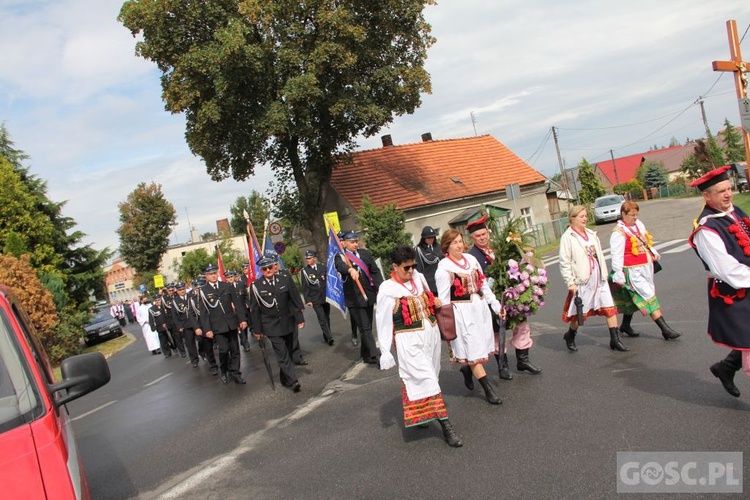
419 174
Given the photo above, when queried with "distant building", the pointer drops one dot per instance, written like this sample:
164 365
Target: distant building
119 281
442 183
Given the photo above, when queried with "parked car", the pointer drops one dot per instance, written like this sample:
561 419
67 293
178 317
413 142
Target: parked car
102 326
607 208
38 450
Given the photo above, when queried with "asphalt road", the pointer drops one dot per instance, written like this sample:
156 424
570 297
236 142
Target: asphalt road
161 429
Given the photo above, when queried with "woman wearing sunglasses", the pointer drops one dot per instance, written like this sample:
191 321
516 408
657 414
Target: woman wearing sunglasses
406 316
460 280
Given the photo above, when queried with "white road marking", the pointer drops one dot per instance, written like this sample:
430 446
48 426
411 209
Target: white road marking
94 410
158 380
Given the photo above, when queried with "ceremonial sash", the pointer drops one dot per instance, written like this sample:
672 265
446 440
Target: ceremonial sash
361 265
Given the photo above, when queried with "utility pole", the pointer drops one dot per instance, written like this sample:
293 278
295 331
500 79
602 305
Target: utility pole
740 70
705 121
614 166
562 170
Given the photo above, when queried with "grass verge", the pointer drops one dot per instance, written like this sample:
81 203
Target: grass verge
107 348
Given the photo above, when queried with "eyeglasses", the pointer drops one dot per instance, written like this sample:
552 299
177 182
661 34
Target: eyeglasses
266 268
408 268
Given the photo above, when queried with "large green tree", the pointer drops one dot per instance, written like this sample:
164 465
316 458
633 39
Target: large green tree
257 207
705 157
734 147
591 186
652 174
146 220
286 83
384 227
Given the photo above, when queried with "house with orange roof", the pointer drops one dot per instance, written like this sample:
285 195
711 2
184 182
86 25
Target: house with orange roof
443 184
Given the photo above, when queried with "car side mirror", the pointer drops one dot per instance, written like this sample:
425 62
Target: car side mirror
81 374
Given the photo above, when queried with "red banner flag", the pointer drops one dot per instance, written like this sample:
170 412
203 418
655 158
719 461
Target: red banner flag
220 263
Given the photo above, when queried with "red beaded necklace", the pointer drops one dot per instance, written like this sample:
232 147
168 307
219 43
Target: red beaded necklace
465 266
412 290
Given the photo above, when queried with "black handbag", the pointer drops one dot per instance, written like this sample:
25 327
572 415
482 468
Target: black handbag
657 266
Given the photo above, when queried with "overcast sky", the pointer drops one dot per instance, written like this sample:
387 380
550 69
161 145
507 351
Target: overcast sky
609 75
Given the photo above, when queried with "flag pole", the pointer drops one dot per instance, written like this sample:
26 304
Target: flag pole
346 259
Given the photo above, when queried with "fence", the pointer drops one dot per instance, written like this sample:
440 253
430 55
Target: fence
548 232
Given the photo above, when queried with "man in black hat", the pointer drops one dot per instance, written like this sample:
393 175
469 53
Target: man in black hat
428 256
314 292
364 271
183 331
157 320
221 314
205 345
722 241
275 311
238 282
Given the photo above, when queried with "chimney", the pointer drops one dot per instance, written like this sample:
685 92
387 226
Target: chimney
387 141
427 137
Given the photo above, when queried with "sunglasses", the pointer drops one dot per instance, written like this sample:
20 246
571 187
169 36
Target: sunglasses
409 268
266 268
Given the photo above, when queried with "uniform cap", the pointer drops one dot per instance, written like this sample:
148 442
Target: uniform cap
476 225
211 268
715 176
265 261
180 285
350 236
310 254
428 232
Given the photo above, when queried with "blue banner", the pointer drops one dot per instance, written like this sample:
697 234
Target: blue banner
334 283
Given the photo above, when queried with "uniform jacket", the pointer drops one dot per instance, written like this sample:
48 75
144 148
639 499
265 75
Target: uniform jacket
181 313
427 253
157 318
275 306
352 295
221 310
481 257
314 284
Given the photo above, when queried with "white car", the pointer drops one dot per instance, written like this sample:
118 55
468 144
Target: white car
607 208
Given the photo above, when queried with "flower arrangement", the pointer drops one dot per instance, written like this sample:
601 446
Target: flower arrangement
518 277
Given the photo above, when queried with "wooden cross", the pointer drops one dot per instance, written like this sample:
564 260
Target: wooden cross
740 70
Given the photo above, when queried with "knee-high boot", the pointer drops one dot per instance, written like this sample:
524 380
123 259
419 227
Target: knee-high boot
570 339
489 392
614 340
450 434
523 363
468 380
666 330
725 369
626 328
502 366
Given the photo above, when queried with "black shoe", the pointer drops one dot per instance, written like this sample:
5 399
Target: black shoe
194 363
523 364
301 362
666 330
449 434
330 341
468 378
203 357
154 352
355 341
238 379
246 348
570 339
214 371
370 361
614 340
224 378
726 377
296 387
489 392
183 355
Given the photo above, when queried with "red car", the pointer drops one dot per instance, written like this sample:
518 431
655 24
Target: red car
38 454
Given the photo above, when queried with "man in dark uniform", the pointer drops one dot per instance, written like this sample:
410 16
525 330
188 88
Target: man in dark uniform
314 292
183 331
221 313
428 256
205 345
722 241
282 274
364 271
157 320
166 295
239 285
275 311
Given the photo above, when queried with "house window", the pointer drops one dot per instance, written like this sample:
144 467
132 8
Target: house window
527 218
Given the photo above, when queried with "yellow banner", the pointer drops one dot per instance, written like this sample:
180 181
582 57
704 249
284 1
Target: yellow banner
333 219
158 281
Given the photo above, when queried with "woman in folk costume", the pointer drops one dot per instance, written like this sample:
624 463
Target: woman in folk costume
584 271
406 316
151 337
428 256
460 281
632 268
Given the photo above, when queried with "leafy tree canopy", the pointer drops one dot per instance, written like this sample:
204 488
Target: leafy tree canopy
384 227
652 174
146 220
734 147
706 156
193 264
285 83
591 186
257 208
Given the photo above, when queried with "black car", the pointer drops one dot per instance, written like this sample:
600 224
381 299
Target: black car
102 326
